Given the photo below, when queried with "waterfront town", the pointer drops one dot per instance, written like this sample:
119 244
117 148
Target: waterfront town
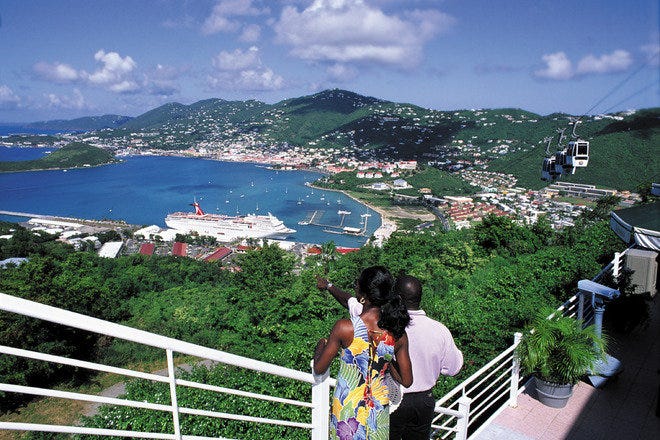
496 193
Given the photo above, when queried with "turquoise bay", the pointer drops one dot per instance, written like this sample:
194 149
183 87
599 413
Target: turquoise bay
142 190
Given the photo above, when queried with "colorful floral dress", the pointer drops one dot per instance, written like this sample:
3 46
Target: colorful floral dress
360 405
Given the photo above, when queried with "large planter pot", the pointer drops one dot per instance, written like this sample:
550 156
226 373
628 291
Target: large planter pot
552 394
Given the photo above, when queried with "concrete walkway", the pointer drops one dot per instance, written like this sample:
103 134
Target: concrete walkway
624 409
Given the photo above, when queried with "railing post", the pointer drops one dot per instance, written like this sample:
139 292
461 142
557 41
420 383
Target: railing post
515 373
462 422
580 311
175 403
616 265
321 405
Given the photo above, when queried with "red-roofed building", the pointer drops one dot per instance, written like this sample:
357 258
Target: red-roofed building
180 249
346 250
147 248
219 254
314 250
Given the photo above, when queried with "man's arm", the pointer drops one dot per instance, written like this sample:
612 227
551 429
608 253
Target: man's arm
453 361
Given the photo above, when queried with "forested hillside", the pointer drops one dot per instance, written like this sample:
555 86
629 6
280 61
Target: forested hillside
74 155
483 283
622 154
623 145
506 140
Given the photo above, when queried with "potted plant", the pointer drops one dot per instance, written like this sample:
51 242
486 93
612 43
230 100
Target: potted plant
558 351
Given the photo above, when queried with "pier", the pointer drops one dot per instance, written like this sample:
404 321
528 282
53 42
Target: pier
314 220
113 223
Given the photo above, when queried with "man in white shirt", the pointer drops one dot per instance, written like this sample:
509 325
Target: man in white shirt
432 352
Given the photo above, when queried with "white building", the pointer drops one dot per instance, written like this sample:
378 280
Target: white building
110 249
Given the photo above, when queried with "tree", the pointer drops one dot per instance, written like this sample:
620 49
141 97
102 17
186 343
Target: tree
645 191
501 235
265 270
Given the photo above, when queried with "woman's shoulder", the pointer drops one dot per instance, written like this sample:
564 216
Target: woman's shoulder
343 325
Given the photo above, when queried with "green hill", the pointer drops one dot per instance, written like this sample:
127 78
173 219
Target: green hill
74 155
347 124
87 123
623 153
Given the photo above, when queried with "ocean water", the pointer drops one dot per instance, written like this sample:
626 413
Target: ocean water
142 190
19 154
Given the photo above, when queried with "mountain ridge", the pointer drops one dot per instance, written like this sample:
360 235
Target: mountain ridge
344 123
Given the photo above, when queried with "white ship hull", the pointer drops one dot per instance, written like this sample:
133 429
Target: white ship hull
228 228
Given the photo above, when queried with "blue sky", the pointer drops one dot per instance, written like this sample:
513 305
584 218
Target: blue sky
70 58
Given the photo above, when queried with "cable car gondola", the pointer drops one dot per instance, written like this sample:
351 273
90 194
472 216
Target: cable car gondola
549 173
561 163
577 153
566 159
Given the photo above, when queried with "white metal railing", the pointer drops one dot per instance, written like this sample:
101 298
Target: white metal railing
469 408
320 385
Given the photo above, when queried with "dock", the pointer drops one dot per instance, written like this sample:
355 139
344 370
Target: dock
314 220
29 215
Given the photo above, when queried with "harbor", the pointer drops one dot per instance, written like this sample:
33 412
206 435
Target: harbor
314 219
139 191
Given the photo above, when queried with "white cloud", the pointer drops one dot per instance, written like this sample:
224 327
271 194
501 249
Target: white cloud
557 66
341 72
220 18
74 102
161 80
251 33
215 24
348 31
617 61
237 60
243 70
8 99
57 72
115 74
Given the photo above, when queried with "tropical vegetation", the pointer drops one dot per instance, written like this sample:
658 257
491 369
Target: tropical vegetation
558 349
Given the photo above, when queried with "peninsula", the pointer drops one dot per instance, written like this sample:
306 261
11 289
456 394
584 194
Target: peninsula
74 155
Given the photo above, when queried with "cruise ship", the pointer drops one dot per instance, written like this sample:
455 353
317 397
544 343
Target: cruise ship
227 228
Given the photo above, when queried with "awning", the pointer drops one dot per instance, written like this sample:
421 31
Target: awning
639 224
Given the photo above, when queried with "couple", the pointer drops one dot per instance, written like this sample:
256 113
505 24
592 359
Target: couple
387 332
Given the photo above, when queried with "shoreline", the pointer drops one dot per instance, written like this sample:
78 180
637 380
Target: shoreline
60 168
387 225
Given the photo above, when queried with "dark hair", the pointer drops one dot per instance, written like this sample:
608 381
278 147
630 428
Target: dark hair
410 289
377 285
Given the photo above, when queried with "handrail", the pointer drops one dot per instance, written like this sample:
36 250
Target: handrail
95 325
320 385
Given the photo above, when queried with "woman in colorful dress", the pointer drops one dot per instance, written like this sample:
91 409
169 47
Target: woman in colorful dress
371 345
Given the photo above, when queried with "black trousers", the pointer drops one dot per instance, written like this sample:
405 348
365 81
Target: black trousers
412 419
